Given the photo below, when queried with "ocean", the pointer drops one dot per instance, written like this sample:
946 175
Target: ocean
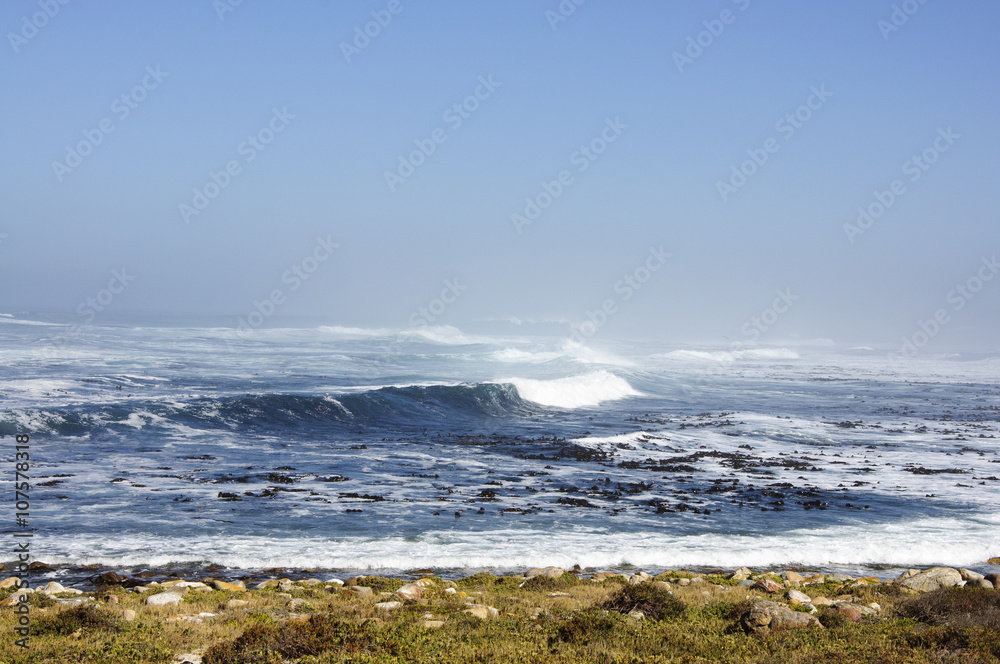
386 450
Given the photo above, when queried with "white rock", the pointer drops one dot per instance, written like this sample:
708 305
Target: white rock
388 606
481 611
163 599
796 597
410 592
336 582
741 574
74 602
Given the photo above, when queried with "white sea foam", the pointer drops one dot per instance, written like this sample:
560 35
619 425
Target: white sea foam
920 542
518 355
574 391
634 438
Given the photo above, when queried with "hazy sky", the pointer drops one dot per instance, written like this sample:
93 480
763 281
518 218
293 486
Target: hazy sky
411 147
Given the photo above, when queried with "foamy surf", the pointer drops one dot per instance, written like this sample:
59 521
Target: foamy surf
918 543
590 389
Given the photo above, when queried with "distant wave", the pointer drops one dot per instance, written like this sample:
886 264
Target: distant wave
443 334
354 331
732 356
10 320
574 391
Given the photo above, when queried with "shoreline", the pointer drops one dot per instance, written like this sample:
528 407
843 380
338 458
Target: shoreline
84 575
561 616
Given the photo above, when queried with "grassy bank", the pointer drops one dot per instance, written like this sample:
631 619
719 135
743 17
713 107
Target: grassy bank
678 617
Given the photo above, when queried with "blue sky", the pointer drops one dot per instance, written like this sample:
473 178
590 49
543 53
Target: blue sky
887 96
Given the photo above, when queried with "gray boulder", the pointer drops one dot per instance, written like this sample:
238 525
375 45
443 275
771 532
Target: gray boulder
932 579
766 617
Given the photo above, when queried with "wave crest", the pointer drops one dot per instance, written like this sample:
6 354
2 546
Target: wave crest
589 389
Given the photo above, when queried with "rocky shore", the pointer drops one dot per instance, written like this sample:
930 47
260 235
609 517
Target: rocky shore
208 619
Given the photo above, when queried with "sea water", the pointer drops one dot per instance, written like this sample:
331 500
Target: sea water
378 449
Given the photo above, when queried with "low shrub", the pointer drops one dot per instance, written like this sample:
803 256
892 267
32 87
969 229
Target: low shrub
67 622
955 607
266 644
655 604
586 627
484 579
833 619
548 583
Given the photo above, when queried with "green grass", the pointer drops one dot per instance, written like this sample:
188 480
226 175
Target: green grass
558 621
